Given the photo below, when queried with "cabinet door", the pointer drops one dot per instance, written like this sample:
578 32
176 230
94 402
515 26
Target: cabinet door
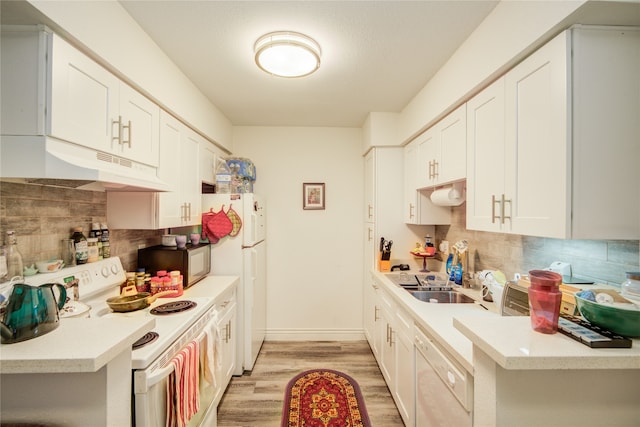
485 157
169 211
452 137
370 248
208 161
427 162
410 177
387 361
190 177
370 312
140 127
369 186
84 99
537 158
405 368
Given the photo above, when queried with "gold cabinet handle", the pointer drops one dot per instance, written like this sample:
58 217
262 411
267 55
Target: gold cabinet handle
128 128
118 136
502 209
493 208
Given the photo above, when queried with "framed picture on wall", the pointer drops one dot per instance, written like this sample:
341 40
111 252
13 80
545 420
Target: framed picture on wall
313 195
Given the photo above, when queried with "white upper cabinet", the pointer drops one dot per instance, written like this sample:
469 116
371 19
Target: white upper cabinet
369 186
208 155
552 146
442 152
49 88
418 208
84 101
485 158
179 167
90 106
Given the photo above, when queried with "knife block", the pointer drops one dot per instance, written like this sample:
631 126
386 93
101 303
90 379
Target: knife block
384 266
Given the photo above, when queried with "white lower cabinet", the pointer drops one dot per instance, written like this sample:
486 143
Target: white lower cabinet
391 340
227 327
404 393
429 386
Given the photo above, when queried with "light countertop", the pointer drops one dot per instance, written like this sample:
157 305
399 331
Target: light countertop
509 340
88 344
437 319
513 344
76 345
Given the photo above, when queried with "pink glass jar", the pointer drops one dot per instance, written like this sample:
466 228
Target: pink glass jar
545 298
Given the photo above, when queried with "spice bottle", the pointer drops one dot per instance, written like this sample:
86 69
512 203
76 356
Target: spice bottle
81 246
97 233
14 257
104 238
92 249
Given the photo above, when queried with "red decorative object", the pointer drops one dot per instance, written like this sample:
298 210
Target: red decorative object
424 257
324 398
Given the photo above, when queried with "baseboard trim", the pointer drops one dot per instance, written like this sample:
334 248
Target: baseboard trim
315 335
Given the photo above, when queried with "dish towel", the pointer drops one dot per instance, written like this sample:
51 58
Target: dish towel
211 354
183 398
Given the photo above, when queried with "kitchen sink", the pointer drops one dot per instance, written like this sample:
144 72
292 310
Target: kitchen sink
442 297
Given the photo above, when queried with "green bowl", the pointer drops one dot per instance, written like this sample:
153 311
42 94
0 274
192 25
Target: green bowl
619 320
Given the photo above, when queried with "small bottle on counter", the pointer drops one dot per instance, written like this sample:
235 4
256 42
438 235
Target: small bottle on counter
96 232
92 249
15 267
81 246
104 238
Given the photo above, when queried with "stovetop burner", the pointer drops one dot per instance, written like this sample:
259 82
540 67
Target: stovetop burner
173 307
147 338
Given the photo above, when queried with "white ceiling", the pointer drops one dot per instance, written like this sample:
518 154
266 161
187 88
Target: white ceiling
376 55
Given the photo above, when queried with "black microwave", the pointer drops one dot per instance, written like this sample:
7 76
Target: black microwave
194 261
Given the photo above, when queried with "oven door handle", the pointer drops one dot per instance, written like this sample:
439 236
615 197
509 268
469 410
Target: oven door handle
165 371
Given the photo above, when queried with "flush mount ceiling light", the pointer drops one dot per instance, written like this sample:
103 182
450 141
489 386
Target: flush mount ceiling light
287 54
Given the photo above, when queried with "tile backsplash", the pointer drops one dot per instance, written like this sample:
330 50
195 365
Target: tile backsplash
44 215
603 261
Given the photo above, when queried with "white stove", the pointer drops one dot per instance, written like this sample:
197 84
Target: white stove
152 364
100 280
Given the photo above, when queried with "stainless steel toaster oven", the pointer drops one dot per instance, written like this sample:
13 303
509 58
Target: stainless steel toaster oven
515 300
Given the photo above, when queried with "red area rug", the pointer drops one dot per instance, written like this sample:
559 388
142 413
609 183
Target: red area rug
324 398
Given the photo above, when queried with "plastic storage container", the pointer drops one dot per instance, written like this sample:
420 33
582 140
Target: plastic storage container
631 287
545 298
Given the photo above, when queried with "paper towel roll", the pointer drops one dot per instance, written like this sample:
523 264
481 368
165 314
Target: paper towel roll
448 196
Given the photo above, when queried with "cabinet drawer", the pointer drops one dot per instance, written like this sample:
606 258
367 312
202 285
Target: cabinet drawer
453 375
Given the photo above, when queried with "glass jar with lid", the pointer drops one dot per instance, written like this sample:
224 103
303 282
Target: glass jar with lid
631 286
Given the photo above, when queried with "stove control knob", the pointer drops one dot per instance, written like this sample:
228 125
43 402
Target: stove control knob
105 272
115 269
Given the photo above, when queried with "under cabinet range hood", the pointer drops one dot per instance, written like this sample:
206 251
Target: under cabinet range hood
50 161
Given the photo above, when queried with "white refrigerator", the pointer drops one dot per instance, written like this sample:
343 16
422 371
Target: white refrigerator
243 255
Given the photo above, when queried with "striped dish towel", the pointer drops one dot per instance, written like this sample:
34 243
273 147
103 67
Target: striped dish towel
183 397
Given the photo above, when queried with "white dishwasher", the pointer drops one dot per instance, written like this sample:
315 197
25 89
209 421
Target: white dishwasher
444 390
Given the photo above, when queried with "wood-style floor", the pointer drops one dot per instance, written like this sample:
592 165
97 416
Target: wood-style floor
255 399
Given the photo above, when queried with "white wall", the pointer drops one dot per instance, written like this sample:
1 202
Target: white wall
314 256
